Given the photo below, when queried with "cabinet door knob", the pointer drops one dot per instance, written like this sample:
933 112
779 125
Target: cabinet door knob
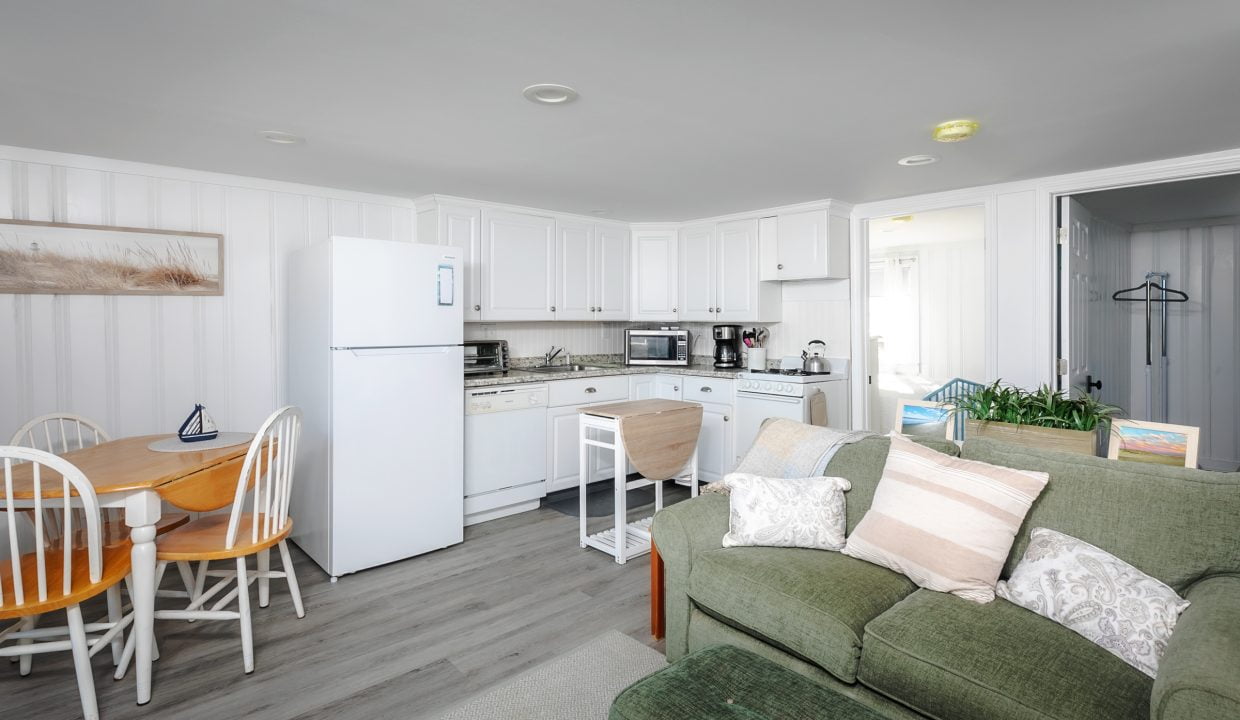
477 307
706 389
676 388
726 418
718 310
674 309
591 390
779 266
552 308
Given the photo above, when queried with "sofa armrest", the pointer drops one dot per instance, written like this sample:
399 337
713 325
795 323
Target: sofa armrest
681 532
1199 675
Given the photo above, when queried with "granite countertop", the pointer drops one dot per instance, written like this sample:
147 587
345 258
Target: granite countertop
700 367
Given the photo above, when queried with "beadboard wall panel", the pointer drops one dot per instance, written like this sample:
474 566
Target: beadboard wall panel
1203 258
138 363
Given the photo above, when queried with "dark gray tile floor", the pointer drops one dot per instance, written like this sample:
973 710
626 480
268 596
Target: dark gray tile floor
400 641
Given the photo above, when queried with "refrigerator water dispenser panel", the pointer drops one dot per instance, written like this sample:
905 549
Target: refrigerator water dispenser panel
446 280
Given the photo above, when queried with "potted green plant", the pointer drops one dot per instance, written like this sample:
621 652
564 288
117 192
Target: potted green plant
1043 418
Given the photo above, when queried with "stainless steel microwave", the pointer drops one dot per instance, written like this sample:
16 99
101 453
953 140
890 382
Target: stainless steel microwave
656 347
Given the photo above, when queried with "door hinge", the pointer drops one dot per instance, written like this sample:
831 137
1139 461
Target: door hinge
1061 236
1061 366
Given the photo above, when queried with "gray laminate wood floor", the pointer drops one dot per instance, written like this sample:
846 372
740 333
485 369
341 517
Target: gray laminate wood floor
400 641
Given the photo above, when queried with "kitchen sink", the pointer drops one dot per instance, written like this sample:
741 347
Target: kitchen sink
563 368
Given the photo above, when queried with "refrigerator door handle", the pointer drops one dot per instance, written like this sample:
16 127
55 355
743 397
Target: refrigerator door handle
372 352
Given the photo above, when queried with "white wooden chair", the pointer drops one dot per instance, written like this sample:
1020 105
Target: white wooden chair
268 471
62 432
50 579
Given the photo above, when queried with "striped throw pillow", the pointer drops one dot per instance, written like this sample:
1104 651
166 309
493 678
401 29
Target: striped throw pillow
946 523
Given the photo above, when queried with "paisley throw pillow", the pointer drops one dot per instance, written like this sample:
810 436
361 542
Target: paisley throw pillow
1097 596
781 512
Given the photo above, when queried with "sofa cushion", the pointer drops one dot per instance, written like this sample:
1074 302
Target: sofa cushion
861 463
812 603
951 658
1176 524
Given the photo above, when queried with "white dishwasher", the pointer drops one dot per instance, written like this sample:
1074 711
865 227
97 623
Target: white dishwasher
505 450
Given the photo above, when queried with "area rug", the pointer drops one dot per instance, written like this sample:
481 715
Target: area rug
578 685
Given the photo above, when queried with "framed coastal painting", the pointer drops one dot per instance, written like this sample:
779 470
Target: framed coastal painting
64 258
1151 442
925 418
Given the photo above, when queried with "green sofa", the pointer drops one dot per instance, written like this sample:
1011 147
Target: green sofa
870 634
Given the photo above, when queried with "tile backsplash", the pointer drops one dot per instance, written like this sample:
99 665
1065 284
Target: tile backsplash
813 310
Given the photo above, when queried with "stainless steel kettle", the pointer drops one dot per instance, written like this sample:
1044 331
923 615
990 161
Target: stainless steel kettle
817 362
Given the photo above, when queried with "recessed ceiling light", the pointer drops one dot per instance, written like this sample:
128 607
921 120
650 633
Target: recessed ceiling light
955 130
914 160
549 94
902 219
280 137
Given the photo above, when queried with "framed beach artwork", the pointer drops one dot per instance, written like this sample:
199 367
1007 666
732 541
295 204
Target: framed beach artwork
925 418
1151 442
63 258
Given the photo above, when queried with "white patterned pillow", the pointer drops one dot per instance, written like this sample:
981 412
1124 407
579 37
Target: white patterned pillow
783 512
1096 595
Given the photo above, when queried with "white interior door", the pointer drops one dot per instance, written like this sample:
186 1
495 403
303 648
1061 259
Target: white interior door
1077 288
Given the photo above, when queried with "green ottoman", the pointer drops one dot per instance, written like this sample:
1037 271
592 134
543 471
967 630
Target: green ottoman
728 683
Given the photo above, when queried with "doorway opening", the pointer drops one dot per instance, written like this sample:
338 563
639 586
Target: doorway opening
927 300
1149 288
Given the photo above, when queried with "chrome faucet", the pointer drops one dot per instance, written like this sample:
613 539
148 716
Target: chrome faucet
551 354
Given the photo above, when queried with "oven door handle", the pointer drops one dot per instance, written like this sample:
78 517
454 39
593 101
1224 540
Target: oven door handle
768 398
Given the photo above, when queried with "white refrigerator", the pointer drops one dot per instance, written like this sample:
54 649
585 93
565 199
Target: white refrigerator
375 363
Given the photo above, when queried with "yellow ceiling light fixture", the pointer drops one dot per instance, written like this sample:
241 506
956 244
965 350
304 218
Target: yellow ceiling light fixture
902 219
955 130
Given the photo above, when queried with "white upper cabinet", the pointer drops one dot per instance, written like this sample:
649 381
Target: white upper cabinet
736 268
811 245
574 270
655 276
720 277
697 273
518 266
610 292
461 227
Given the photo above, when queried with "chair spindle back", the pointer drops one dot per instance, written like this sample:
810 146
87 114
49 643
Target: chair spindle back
269 467
43 467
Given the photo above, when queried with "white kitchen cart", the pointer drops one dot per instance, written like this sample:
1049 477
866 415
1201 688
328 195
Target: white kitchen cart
660 438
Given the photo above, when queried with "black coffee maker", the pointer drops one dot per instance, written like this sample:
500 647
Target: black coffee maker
727 346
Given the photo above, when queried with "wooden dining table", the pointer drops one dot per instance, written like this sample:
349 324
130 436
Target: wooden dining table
129 476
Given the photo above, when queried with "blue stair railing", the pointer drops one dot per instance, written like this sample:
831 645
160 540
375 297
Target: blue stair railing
948 393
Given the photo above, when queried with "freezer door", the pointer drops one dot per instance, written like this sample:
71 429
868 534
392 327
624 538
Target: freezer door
395 294
397 454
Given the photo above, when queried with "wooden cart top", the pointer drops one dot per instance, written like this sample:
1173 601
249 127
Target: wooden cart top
635 408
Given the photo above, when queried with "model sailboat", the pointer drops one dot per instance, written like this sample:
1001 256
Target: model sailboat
198 426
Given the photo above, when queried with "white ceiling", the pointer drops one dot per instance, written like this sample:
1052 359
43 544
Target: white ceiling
1167 202
688 108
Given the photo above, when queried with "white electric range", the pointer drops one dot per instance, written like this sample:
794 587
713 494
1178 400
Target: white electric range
817 399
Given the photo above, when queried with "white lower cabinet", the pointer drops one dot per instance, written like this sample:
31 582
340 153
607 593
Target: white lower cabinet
565 396
563 463
715 443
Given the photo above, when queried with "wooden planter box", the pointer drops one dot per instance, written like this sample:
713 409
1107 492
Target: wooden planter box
1073 441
